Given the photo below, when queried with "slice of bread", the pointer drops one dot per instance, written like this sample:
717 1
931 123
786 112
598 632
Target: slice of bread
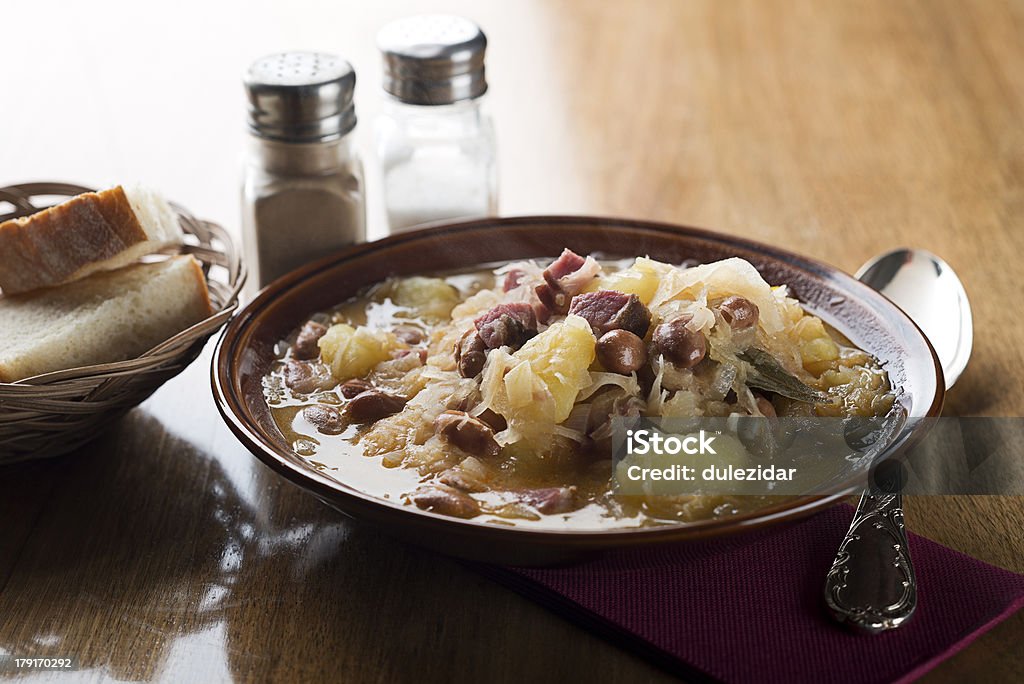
109 316
88 233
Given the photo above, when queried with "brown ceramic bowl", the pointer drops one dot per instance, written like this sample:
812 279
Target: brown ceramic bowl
246 350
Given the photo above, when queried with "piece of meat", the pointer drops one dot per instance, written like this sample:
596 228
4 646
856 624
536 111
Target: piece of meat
520 312
459 479
470 475
566 276
305 378
568 262
542 310
446 500
550 500
552 301
470 434
305 346
372 405
507 325
513 279
420 355
608 310
578 280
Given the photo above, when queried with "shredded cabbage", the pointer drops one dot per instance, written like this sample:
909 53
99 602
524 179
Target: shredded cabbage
598 380
721 279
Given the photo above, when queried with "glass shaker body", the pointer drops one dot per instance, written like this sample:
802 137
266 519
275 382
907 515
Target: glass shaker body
437 162
301 201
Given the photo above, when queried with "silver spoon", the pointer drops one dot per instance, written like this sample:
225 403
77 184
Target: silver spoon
871 584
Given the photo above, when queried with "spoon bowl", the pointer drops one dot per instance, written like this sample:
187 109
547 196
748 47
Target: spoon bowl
928 291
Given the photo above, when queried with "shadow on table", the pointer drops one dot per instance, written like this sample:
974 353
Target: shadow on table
153 559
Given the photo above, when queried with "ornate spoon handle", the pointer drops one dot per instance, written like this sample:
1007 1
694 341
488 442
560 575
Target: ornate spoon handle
871 584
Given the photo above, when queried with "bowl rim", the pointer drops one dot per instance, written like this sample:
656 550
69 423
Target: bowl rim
326 487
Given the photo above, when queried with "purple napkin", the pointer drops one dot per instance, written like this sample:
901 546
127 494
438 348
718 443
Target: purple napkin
750 608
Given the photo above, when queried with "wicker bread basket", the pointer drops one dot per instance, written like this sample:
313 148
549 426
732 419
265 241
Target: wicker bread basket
48 415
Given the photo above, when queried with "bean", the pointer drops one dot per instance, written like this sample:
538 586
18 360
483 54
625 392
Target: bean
350 388
680 345
470 354
765 407
607 406
325 419
620 351
495 420
305 346
739 312
470 434
372 405
409 334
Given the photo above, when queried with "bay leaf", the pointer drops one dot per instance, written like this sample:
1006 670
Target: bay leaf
766 373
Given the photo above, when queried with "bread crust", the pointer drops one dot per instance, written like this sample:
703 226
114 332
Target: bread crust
68 241
205 303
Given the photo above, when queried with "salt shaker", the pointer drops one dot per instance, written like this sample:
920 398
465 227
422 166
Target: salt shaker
435 142
303 189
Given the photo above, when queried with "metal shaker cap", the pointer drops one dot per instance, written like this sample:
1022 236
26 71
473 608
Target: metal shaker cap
433 59
301 97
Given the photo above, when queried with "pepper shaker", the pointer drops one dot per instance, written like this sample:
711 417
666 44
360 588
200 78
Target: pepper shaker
303 188
435 141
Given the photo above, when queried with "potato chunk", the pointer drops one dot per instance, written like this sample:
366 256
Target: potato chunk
429 298
818 351
640 279
558 358
353 352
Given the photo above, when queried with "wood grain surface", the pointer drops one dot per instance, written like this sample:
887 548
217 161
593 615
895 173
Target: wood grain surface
164 552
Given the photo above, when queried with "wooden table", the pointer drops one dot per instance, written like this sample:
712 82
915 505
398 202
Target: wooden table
163 551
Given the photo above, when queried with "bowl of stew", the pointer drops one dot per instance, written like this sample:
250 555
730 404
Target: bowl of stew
457 385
